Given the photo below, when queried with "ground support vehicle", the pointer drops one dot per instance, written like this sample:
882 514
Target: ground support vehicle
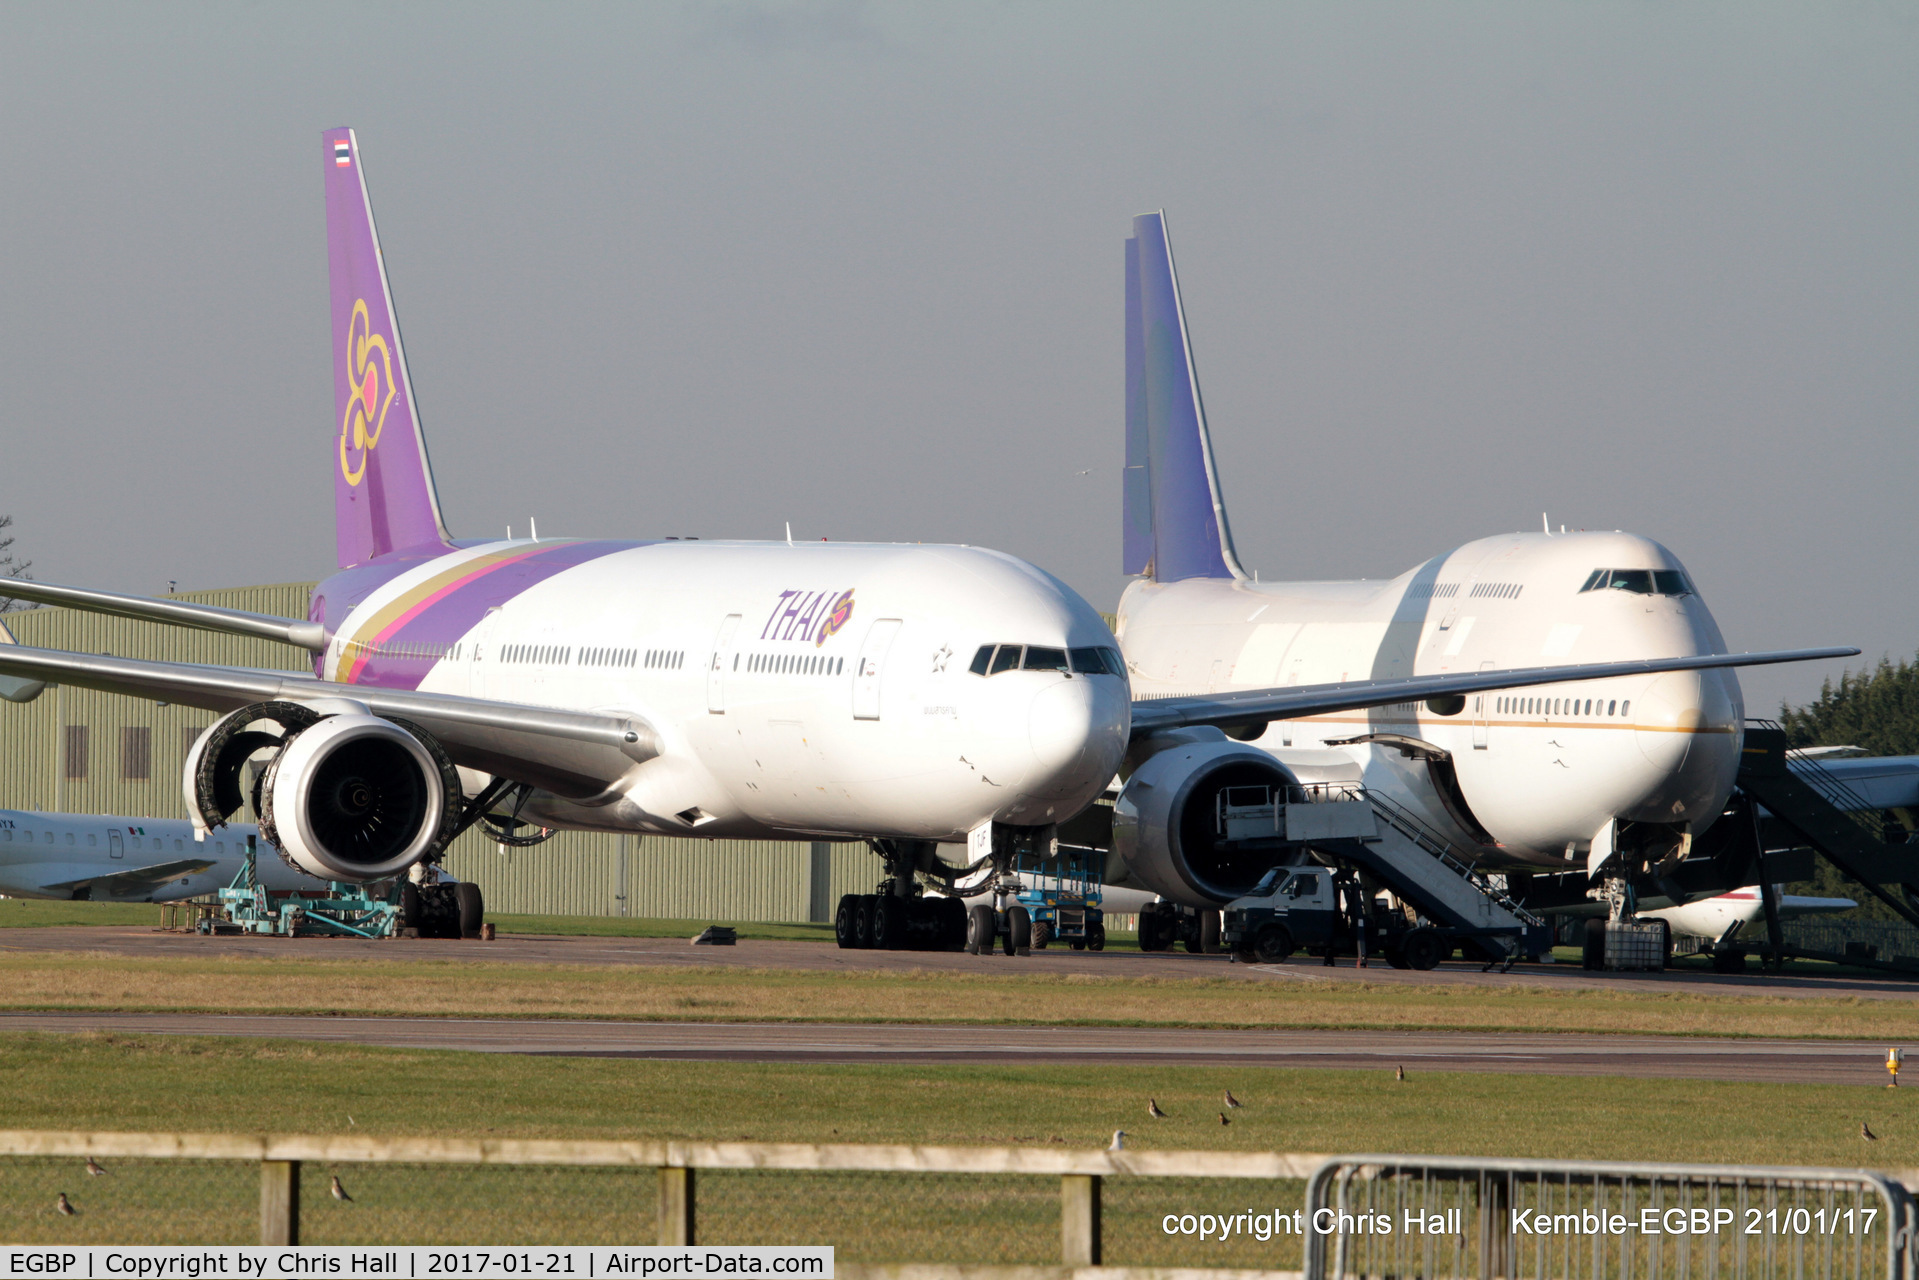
1355 874
1061 896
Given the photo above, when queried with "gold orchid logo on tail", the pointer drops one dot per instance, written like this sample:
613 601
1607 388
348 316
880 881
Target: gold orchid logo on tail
371 388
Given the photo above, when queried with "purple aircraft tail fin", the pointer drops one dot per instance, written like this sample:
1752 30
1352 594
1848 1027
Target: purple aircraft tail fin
383 497
1175 519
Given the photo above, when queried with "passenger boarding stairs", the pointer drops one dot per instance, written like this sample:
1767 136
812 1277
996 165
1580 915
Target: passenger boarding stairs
1832 818
1418 864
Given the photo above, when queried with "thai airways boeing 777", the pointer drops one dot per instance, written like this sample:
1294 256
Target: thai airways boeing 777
712 688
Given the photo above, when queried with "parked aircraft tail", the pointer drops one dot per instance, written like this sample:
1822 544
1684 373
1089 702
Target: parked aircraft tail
1175 517
382 483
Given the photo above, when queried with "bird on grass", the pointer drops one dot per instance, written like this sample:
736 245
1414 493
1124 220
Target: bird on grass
1232 1103
93 1168
65 1206
1152 1109
1399 1072
1223 1119
1866 1132
1119 1141
339 1192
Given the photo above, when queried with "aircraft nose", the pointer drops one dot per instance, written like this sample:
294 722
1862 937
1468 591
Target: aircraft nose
1686 725
1077 729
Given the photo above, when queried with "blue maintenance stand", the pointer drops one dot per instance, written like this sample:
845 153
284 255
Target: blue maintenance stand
344 910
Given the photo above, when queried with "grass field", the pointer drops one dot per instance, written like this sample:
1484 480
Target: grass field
31 980
168 1083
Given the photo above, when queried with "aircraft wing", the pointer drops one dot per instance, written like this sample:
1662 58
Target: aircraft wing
132 880
1254 706
181 613
571 753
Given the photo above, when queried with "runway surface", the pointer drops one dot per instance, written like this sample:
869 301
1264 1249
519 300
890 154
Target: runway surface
825 957
1780 1061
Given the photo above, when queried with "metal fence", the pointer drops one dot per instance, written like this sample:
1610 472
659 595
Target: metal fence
950 1213
1433 1217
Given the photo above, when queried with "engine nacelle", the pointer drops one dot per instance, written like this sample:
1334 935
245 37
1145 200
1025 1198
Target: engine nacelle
356 797
1165 824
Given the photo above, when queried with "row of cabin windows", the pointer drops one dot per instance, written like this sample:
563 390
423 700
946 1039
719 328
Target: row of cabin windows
1644 582
559 655
155 843
1564 707
801 664
427 652
993 659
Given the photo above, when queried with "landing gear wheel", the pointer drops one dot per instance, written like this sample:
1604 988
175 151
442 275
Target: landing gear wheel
1150 938
846 922
410 908
1728 962
1042 934
1592 955
472 908
982 922
1018 939
868 908
1396 956
890 927
1273 943
952 924
1423 949
1096 936
1665 944
1209 944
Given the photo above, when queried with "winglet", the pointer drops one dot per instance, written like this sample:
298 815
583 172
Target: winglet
16 688
1175 517
383 492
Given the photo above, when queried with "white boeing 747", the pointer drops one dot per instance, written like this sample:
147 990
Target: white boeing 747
1609 772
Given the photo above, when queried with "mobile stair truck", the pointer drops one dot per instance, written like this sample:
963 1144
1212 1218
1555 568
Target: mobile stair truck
1336 849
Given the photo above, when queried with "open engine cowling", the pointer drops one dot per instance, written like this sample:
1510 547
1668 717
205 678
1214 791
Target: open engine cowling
1165 827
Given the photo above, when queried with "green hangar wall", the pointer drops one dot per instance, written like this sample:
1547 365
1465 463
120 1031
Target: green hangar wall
76 751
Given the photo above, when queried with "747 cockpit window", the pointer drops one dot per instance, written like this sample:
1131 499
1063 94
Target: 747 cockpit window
1645 582
990 660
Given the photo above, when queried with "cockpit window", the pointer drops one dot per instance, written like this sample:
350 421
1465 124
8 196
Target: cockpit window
990 660
1644 582
1040 659
1098 662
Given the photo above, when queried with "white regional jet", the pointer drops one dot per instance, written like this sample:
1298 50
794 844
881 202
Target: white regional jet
104 858
1608 771
739 689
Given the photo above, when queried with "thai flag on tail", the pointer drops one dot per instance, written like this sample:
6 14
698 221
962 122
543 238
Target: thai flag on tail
342 154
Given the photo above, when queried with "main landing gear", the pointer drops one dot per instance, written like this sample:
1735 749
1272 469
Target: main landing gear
900 916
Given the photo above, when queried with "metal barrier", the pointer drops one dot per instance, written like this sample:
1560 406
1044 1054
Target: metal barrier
1490 1219
1367 1217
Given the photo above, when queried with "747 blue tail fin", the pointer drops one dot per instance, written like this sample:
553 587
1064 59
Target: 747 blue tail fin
1175 518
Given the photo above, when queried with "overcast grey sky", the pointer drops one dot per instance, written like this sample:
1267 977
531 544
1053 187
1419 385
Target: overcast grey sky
706 268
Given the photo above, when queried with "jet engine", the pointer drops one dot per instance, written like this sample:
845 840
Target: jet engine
346 796
1168 824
